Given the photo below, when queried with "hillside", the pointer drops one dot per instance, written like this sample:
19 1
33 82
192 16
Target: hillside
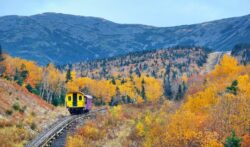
214 113
168 65
22 114
11 93
61 38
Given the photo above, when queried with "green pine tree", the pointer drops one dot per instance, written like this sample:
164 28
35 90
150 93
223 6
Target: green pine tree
233 88
68 75
233 140
143 94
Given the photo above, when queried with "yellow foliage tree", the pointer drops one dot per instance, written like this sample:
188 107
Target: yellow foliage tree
140 129
201 102
228 65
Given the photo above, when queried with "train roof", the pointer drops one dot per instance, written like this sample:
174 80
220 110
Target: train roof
89 96
75 92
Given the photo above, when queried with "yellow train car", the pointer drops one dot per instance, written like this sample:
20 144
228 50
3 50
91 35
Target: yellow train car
75 102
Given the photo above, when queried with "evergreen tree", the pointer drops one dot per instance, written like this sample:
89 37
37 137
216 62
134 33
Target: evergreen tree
29 87
68 75
137 72
130 71
185 87
167 87
1 53
233 88
179 94
24 72
167 82
18 77
153 74
123 81
143 94
2 67
233 140
113 80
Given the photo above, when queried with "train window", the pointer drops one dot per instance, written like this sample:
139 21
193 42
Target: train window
69 98
80 98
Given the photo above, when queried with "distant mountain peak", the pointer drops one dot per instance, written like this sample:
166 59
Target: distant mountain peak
65 38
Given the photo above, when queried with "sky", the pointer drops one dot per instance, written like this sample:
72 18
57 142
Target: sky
149 12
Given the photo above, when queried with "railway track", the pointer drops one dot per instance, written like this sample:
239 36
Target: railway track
45 138
212 60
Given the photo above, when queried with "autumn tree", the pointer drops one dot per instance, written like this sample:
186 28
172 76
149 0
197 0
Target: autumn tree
52 84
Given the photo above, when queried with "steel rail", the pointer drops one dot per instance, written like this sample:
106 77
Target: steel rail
46 137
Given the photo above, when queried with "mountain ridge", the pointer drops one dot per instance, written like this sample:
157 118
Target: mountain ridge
65 38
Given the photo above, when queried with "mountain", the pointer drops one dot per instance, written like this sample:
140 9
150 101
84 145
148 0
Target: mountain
61 38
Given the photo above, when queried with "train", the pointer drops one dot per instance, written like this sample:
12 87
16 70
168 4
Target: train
78 102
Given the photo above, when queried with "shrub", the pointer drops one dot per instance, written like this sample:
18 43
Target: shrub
13 136
29 87
89 131
19 125
5 123
233 88
75 141
22 110
8 112
33 126
33 113
16 106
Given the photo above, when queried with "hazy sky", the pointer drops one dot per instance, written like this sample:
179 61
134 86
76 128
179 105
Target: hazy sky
150 12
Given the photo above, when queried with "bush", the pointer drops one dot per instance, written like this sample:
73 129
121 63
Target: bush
75 141
22 110
13 136
19 125
233 88
33 114
33 126
5 123
16 106
29 87
8 112
90 131
35 91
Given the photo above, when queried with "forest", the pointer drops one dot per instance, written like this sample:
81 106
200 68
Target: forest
214 113
169 66
210 109
136 77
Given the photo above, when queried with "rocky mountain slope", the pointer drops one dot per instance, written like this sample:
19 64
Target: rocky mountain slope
61 38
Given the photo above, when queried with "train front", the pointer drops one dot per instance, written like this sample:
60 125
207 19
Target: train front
78 102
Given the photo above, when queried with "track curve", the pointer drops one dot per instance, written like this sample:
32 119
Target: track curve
44 138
